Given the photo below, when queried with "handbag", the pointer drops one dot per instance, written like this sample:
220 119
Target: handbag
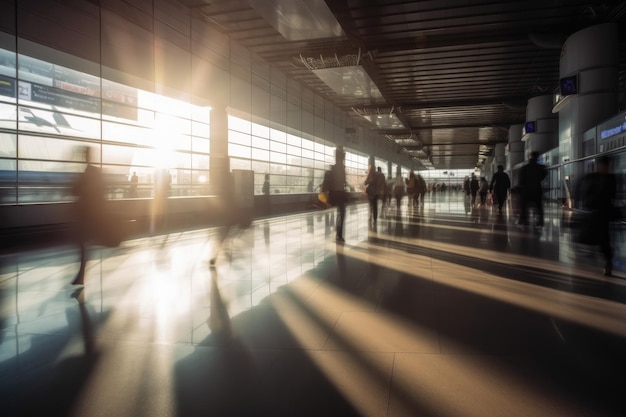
323 197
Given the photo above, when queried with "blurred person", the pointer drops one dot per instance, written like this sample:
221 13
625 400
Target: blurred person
337 196
134 180
266 185
371 190
236 217
421 189
90 212
411 189
398 190
531 175
596 194
473 185
500 186
466 186
483 189
381 186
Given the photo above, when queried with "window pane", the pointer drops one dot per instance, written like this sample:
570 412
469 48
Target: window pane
260 143
293 150
239 151
278 158
8 116
200 162
240 125
200 145
236 163
278 147
238 138
261 155
294 170
294 140
35 147
56 123
260 130
277 135
8 145
309 163
260 166
117 132
200 129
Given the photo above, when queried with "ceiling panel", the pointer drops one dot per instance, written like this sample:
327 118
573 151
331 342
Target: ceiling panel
457 73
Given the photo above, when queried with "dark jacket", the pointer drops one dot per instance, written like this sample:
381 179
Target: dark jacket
500 183
531 176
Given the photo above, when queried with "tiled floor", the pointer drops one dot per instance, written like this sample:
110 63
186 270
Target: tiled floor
440 311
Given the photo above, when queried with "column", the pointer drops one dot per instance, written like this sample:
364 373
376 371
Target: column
546 126
592 56
219 161
515 148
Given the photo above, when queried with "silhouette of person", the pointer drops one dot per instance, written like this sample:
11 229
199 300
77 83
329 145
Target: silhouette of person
411 189
596 193
473 185
466 186
482 190
531 189
372 191
421 189
500 186
381 185
398 190
337 195
90 190
266 185
133 185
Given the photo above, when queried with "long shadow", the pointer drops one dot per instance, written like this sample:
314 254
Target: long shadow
225 376
573 282
47 387
575 361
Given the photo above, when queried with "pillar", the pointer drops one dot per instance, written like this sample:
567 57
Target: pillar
515 148
592 55
219 161
545 137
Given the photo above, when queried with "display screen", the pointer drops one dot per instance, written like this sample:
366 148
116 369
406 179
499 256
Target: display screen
569 85
529 127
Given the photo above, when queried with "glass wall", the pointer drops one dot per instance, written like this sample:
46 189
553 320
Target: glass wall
295 163
452 178
356 170
49 113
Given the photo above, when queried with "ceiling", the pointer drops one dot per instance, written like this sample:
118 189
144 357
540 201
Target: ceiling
446 77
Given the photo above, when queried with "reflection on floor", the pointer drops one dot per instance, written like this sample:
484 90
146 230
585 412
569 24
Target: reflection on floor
442 310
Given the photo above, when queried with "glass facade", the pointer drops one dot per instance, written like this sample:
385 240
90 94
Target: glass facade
294 163
49 113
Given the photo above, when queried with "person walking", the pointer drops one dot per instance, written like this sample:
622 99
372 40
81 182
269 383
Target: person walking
531 176
473 185
421 189
398 190
483 189
371 189
596 194
500 186
337 195
90 214
411 189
